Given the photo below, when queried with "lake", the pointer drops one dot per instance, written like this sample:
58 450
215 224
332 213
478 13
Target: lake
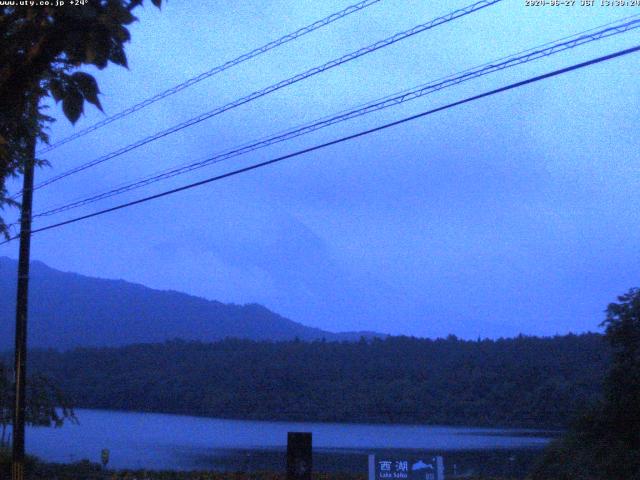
178 442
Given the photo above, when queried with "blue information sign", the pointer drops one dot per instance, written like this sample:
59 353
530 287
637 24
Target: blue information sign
392 467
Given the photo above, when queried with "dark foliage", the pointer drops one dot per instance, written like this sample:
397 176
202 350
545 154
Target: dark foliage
46 405
604 443
41 47
85 470
526 381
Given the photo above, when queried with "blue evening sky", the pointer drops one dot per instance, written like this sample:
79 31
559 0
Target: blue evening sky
513 214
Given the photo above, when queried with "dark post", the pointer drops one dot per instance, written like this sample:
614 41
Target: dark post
299 456
21 316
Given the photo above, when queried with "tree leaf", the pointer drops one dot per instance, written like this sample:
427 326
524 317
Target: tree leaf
57 89
121 34
88 87
117 55
99 47
72 105
117 14
133 4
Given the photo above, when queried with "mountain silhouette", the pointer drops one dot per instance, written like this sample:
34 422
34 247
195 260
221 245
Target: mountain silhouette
68 310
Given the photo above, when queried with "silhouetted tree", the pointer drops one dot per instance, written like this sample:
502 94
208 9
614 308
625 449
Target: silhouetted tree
46 405
605 442
41 49
622 385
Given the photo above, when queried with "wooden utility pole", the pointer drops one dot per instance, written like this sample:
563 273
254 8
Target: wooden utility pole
20 365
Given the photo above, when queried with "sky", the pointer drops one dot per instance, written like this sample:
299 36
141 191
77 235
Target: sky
514 214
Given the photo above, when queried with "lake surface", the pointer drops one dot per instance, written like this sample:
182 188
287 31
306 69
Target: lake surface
177 442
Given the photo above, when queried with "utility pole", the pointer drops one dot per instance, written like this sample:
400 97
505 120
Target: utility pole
20 365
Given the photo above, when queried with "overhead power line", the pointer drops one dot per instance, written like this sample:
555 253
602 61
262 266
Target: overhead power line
529 55
511 86
214 71
277 86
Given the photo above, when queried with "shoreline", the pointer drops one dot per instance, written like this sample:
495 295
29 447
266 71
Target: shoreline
477 464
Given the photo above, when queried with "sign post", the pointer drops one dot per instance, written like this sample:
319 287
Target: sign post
394 467
299 456
104 457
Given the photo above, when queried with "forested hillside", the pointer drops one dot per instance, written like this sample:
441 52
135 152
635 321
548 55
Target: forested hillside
525 381
69 310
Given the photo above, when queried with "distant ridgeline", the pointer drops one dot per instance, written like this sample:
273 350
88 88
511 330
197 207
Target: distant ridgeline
68 310
519 382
